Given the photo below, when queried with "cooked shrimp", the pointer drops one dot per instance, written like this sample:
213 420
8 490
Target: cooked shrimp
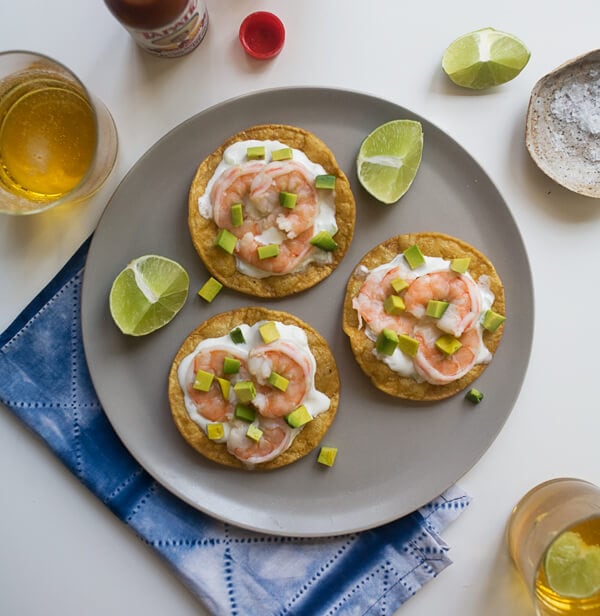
211 404
288 176
437 367
233 186
291 253
276 438
289 362
458 290
369 301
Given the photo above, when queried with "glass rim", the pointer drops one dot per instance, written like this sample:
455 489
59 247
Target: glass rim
93 102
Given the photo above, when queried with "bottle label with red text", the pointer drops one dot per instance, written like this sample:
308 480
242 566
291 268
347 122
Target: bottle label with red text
179 37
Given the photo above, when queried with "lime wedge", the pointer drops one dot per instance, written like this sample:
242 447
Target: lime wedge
147 294
484 58
573 566
389 159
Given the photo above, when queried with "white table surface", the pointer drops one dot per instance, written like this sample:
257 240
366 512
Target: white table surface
62 552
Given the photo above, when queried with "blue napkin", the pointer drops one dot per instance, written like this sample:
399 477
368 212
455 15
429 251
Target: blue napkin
45 381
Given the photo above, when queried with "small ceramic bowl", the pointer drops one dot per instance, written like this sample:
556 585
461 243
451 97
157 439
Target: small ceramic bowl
262 35
563 124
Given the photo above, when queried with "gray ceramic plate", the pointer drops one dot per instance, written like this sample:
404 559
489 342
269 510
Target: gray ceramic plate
393 456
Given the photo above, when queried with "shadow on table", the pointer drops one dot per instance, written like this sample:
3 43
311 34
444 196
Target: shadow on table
505 593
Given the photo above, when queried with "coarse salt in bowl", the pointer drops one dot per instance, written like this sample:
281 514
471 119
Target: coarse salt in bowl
563 124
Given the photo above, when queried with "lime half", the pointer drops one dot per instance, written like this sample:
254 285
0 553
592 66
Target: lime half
573 566
147 294
484 58
389 159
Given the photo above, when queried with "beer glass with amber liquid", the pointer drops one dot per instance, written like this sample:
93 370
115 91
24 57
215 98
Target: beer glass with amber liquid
554 540
58 143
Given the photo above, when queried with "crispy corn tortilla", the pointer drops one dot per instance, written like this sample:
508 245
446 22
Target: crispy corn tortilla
326 381
222 265
432 245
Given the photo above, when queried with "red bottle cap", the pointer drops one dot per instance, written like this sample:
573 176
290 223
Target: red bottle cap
262 35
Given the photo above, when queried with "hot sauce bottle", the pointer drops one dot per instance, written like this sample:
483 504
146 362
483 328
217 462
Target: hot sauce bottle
167 28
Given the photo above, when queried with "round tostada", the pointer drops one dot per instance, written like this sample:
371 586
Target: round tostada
254 388
270 211
424 313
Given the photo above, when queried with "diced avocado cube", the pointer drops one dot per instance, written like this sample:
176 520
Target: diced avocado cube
394 304
231 365
203 380
387 341
492 320
268 251
282 154
448 344
298 417
255 152
288 199
324 241
474 396
226 240
237 336
215 431
278 381
210 289
254 432
327 455
414 257
225 386
237 214
245 391
399 284
436 308
460 265
409 346
269 332
326 182
244 412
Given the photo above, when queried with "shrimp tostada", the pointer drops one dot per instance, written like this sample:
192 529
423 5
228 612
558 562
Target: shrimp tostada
270 211
254 388
424 313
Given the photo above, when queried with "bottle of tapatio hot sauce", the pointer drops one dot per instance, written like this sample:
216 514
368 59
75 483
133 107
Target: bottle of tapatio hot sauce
167 28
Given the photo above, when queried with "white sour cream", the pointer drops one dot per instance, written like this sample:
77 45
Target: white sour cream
401 363
315 401
325 220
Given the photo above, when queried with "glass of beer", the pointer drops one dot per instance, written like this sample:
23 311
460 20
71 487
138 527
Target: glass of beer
58 143
554 540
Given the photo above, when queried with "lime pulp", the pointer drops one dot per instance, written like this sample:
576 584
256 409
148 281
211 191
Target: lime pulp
389 158
572 566
484 58
147 294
